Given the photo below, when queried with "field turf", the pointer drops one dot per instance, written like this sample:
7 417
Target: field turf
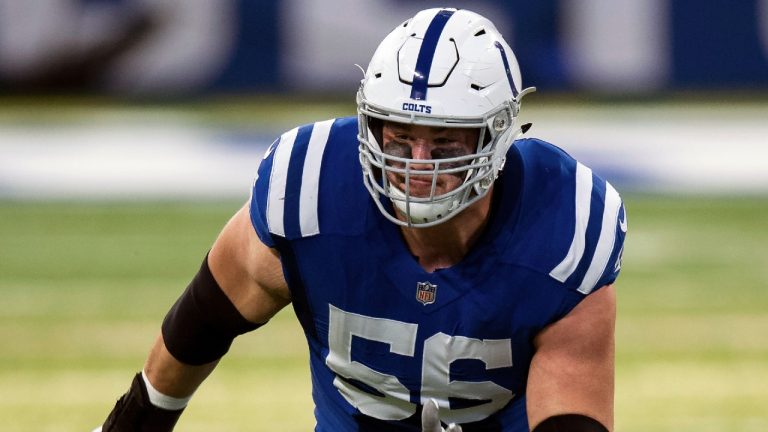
84 287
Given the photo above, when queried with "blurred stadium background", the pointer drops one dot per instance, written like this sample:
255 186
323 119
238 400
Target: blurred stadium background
130 130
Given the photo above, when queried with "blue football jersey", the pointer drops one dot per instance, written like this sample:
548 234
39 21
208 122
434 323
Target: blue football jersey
384 335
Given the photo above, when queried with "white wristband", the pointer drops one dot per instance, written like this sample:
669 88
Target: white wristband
163 401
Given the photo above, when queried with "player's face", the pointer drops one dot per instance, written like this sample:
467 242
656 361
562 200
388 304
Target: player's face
426 142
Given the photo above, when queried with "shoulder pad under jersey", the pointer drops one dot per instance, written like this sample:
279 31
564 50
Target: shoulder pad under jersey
308 182
573 221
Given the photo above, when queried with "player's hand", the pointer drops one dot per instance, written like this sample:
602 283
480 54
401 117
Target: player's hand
430 419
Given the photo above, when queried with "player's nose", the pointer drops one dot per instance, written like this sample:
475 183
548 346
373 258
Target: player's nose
421 150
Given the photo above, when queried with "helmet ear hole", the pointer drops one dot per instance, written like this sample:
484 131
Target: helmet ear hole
376 125
487 137
484 138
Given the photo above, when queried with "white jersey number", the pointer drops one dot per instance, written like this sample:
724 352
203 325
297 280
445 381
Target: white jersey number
440 350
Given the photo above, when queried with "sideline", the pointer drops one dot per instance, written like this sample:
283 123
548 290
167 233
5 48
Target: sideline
679 149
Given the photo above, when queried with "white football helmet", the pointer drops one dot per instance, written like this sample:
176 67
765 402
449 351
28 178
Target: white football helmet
442 68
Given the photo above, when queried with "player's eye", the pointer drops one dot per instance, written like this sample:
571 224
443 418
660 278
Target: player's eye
448 152
397 149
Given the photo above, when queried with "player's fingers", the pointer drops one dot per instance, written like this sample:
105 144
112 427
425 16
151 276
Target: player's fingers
453 427
430 418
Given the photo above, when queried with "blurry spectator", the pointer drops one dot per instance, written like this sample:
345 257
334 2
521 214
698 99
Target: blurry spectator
131 46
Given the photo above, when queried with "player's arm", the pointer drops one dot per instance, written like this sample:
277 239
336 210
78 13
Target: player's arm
571 380
239 287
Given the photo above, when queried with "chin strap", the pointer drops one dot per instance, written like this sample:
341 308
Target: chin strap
421 212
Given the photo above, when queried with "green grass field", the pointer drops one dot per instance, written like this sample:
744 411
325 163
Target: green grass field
85 286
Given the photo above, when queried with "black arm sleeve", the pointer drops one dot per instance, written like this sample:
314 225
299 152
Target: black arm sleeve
570 423
202 324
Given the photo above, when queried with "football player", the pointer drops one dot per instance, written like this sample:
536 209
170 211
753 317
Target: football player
446 271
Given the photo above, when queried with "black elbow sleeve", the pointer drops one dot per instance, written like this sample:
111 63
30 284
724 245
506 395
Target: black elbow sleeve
202 324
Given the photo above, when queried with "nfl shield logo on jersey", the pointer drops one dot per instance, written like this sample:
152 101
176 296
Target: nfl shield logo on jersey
425 292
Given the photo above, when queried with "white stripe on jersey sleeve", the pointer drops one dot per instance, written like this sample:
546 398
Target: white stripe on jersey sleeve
277 182
605 241
583 201
310 178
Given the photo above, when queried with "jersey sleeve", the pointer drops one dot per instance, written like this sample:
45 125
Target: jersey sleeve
613 265
259 195
285 195
603 244
575 222
603 233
